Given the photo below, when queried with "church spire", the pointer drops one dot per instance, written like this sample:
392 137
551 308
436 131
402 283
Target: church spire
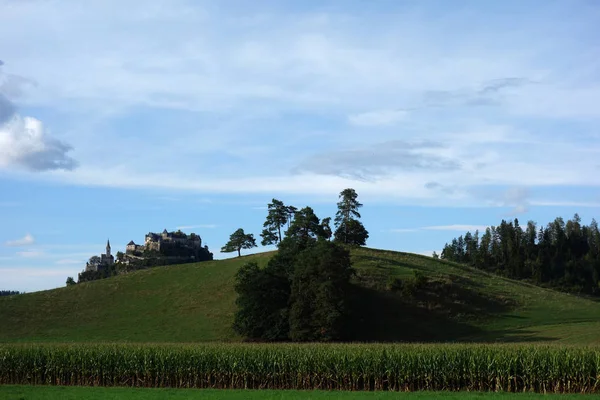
108 247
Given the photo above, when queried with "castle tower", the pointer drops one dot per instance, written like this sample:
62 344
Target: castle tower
108 248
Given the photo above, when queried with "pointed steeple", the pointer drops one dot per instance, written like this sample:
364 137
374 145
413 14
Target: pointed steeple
108 247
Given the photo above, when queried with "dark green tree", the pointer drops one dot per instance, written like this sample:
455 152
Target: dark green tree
291 211
320 293
262 302
326 228
348 229
277 217
305 227
347 206
239 240
70 281
351 232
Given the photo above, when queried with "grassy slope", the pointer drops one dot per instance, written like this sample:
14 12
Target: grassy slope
77 393
196 302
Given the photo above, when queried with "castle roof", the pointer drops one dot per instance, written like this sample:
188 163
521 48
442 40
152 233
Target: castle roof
131 243
165 231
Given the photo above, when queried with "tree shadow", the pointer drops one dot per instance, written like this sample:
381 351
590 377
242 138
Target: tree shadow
438 312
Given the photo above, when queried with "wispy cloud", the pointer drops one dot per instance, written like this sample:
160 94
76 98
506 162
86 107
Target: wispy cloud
31 254
34 272
378 160
378 118
245 93
27 240
199 226
456 228
69 261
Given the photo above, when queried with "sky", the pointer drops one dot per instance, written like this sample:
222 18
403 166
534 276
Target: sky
118 118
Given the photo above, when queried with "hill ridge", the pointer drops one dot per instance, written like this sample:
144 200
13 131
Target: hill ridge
196 303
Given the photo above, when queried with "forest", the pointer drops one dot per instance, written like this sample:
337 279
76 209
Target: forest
561 255
8 292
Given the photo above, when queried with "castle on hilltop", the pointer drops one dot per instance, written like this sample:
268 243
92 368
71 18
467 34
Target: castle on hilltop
155 241
104 261
164 248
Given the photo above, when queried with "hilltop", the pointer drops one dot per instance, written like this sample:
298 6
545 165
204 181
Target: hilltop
196 303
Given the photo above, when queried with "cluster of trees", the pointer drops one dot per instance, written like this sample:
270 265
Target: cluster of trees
303 293
349 230
8 292
562 255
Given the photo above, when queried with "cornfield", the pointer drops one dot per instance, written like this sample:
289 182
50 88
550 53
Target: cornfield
508 368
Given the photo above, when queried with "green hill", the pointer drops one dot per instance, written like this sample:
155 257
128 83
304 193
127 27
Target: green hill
196 303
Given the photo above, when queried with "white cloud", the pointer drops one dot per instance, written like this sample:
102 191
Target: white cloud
35 272
24 143
460 228
69 261
31 253
27 240
200 226
377 118
404 230
247 71
457 228
559 203
23 140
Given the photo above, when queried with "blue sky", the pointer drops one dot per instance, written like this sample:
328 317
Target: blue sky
119 118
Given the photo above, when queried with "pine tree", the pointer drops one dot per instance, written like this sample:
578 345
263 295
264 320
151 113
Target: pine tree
277 217
348 229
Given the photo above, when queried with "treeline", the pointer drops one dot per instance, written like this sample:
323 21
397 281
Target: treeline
561 255
8 292
303 293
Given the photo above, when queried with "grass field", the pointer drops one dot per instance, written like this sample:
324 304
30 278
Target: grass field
95 393
196 303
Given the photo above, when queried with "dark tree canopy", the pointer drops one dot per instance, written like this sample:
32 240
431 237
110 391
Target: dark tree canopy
320 290
262 303
326 228
302 293
349 230
352 232
239 240
70 281
278 215
305 226
562 255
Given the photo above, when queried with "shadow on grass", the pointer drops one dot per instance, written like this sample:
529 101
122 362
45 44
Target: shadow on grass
441 311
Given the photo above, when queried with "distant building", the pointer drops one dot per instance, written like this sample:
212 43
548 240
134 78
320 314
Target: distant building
154 241
104 261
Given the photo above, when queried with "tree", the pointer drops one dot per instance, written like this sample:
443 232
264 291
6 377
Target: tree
239 240
352 232
291 211
277 217
120 256
262 302
347 207
320 293
348 229
305 226
70 281
326 228
94 261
